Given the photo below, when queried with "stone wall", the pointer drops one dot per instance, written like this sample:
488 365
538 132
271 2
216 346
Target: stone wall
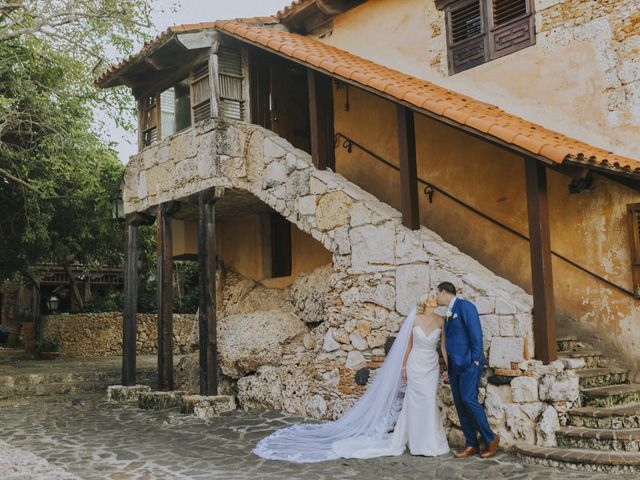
100 334
379 270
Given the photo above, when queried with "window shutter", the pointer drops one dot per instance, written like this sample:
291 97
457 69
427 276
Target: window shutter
467 42
511 27
200 93
633 212
232 103
149 120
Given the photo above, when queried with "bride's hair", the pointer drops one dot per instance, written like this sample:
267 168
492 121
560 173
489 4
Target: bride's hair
422 303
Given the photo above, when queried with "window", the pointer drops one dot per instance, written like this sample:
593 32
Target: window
230 73
148 120
175 109
482 30
633 212
201 92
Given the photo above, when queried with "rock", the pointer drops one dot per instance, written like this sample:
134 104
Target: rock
332 210
355 360
246 342
376 339
316 407
372 248
159 400
565 386
330 343
573 363
496 400
363 327
262 391
122 394
311 294
524 389
207 407
412 281
357 341
547 428
519 423
275 174
309 342
506 350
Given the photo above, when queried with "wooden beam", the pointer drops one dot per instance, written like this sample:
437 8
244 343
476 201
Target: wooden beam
130 303
321 120
544 322
165 297
408 169
207 253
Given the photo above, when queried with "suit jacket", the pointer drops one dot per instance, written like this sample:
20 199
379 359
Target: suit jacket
463 336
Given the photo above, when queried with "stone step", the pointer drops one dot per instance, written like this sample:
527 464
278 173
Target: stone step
567 343
36 385
619 417
578 459
625 440
592 358
602 377
611 396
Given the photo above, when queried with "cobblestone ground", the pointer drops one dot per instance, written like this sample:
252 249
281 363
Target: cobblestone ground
92 439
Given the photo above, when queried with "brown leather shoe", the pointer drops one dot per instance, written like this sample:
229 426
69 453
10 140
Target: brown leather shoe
466 452
492 449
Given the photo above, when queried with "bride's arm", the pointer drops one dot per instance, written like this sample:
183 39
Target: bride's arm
443 347
406 355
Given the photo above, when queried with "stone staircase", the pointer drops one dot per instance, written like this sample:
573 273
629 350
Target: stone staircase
604 434
22 376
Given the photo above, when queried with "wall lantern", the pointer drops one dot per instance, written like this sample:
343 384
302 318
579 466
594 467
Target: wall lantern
117 206
52 303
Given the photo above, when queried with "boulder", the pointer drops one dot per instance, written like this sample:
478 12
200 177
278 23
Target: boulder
261 391
246 342
309 293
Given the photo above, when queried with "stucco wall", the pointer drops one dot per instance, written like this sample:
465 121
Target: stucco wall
588 229
581 78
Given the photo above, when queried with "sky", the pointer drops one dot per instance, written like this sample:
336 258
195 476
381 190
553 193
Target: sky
189 11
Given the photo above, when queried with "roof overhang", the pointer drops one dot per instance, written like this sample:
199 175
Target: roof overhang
170 51
304 16
462 112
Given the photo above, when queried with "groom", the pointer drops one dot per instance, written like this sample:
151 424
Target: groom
463 340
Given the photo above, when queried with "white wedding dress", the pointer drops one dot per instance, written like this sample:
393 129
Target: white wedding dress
382 422
419 424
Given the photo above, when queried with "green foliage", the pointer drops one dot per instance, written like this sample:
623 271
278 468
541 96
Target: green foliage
56 174
49 344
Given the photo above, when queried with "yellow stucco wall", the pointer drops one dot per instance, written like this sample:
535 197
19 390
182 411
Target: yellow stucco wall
588 228
240 248
580 78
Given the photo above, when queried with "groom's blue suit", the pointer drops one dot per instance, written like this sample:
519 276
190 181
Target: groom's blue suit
466 359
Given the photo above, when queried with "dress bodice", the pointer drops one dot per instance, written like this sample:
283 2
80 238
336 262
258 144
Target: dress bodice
429 341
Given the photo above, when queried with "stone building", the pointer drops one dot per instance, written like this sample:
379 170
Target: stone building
338 159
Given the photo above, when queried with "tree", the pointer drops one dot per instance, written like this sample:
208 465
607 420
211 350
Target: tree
56 174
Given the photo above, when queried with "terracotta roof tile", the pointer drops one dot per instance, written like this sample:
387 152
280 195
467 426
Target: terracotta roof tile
478 115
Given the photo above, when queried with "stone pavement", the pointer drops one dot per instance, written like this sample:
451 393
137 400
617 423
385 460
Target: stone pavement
93 439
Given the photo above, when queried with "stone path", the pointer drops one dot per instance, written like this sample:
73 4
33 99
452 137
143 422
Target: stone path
93 439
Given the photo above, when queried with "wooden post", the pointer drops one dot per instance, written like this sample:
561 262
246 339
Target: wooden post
408 169
207 253
130 303
165 297
544 323
321 120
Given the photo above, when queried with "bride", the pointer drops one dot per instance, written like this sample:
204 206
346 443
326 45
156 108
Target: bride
382 422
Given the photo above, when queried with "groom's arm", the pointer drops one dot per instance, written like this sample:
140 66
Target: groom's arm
471 321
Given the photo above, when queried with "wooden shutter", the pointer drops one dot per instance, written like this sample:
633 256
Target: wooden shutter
466 35
149 120
633 213
511 26
232 102
200 93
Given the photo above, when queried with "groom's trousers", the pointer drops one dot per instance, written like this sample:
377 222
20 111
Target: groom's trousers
473 420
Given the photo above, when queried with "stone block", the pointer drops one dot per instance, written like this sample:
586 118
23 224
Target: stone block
372 248
412 281
524 389
206 407
123 394
332 211
159 400
505 350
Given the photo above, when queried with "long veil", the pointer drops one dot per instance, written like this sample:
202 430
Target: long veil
370 419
